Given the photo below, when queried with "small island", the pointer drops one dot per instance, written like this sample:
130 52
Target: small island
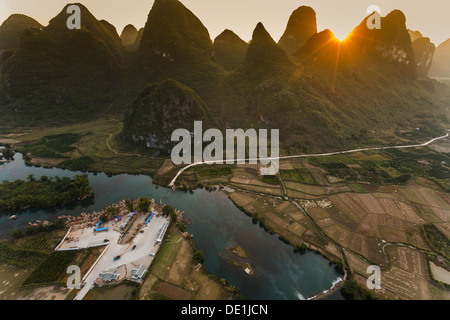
43 193
238 251
242 257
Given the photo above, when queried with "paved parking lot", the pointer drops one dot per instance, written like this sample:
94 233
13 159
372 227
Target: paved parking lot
144 242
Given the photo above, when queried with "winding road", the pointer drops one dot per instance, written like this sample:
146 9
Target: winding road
172 183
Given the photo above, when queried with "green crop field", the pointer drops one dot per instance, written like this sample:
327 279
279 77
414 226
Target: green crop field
298 175
51 269
437 240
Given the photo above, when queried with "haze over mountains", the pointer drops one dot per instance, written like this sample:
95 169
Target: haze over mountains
441 61
423 52
317 90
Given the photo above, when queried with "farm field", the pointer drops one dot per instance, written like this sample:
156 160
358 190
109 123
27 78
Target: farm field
53 269
174 275
92 146
40 272
363 216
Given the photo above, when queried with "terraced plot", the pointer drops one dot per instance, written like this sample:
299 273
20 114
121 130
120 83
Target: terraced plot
408 274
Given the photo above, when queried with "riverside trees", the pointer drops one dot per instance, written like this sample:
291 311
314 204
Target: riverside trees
43 193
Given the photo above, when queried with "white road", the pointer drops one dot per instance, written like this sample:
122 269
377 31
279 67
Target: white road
172 183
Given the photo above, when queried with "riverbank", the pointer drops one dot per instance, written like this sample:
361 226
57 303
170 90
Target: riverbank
210 204
337 285
175 274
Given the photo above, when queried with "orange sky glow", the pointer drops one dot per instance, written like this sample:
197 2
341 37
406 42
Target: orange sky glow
241 16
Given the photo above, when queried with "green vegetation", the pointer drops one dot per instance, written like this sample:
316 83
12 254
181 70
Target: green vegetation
172 105
239 251
51 269
110 212
237 294
213 171
129 203
263 224
421 133
11 29
78 164
392 166
298 175
432 257
271 180
39 241
422 162
135 293
230 50
93 152
43 193
53 146
300 248
181 226
56 90
40 228
168 210
17 233
7 153
199 256
191 61
143 204
31 247
353 291
20 257
339 267
104 218
437 240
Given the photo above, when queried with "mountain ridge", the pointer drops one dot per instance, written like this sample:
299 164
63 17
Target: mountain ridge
230 50
12 27
324 95
301 26
129 36
58 85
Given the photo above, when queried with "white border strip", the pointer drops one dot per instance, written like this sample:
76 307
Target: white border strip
62 241
96 261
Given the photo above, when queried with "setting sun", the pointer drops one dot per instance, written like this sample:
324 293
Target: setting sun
342 35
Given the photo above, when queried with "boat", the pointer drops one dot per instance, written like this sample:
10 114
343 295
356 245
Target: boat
13 217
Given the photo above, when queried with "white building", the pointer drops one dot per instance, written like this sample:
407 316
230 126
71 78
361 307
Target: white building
138 272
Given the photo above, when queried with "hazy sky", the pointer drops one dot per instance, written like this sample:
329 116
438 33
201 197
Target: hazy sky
431 17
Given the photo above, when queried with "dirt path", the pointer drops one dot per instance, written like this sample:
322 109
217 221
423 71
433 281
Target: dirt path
115 152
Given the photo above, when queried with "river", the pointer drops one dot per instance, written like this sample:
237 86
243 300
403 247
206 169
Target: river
216 223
